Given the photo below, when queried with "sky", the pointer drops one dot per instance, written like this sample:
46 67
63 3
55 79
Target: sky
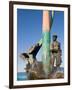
29 32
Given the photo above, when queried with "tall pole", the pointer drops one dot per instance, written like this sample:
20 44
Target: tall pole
46 43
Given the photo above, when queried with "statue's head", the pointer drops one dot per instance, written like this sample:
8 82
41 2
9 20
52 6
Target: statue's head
54 37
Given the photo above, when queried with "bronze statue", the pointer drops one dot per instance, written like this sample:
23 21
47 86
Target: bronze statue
34 68
55 52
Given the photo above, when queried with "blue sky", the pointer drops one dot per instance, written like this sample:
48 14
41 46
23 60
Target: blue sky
29 31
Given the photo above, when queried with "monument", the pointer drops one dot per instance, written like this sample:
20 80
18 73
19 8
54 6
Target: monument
44 69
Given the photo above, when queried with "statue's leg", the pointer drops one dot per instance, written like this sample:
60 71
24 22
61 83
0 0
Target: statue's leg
52 61
58 60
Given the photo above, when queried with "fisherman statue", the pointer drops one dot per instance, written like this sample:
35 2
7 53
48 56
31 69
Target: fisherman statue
56 52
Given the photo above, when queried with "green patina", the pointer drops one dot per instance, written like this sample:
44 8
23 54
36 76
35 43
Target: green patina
46 53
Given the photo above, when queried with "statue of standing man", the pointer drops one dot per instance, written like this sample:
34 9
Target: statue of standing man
56 52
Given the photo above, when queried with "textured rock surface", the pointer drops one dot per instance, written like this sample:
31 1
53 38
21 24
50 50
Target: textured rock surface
35 70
